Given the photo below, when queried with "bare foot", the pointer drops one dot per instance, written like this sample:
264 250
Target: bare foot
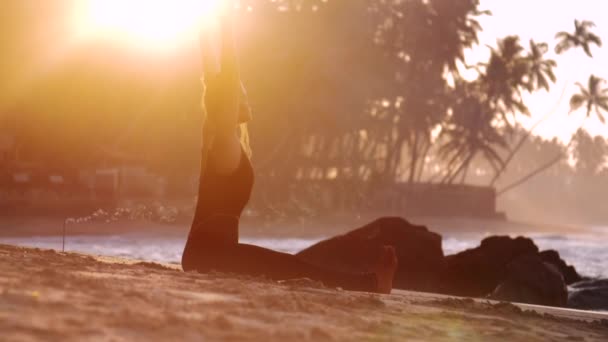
385 269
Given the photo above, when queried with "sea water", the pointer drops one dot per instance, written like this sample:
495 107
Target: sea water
588 253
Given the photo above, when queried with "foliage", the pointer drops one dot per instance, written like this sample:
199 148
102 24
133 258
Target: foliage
540 70
361 92
590 153
422 41
582 37
594 98
469 132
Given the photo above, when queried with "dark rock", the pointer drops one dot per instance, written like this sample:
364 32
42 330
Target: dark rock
418 250
589 295
531 280
569 272
476 272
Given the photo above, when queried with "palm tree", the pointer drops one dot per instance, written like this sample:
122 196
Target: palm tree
504 75
539 73
540 70
469 133
595 99
496 94
466 143
582 37
407 31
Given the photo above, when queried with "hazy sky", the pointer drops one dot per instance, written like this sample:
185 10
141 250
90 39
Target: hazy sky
541 20
536 19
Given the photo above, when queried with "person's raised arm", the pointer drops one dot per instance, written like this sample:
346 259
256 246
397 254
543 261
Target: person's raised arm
230 68
222 77
222 102
229 57
209 56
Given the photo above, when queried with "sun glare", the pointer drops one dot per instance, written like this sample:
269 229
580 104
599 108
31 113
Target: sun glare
148 23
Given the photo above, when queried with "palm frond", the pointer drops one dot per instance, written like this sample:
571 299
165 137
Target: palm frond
563 46
594 39
600 115
576 102
583 90
587 50
594 84
603 103
551 74
585 24
542 83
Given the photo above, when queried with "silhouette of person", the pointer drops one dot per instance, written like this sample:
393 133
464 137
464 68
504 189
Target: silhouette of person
226 181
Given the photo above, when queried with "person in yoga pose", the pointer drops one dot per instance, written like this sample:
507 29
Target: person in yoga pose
226 181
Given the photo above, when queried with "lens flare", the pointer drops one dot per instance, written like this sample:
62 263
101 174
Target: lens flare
148 23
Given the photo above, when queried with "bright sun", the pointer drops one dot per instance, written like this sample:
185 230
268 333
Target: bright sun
147 23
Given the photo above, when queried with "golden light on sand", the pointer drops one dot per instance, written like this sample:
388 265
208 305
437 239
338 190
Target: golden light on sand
147 23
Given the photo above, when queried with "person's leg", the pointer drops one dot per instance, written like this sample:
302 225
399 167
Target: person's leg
255 260
206 251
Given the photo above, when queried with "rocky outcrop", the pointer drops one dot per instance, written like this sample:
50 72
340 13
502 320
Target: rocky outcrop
589 295
421 259
529 279
501 267
568 272
477 272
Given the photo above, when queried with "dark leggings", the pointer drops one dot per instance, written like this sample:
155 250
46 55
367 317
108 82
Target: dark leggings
205 252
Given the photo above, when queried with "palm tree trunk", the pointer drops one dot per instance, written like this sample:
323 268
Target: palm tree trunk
521 142
529 176
461 168
464 174
513 152
394 159
413 160
391 150
422 164
542 167
449 169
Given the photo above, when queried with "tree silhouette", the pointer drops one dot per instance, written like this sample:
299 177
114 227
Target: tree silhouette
582 37
540 70
589 152
422 39
469 132
539 76
504 77
593 98
495 95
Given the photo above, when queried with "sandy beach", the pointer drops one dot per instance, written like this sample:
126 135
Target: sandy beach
47 295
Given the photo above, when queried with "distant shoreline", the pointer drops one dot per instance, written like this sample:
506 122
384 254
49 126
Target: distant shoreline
313 228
